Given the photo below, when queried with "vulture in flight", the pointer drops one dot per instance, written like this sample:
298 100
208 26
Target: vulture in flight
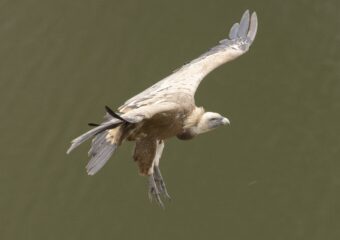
166 109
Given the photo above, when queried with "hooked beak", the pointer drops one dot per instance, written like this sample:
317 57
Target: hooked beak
225 121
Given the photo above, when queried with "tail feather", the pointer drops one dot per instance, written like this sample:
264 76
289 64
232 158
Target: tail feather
106 138
100 152
94 131
97 142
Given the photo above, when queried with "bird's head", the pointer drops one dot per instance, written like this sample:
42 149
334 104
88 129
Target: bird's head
210 121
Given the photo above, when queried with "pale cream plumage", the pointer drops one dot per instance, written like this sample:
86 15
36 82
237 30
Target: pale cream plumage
165 110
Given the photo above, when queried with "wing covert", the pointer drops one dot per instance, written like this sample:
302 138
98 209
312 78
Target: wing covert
187 78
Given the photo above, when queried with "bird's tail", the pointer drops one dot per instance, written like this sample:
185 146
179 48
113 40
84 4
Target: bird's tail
106 138
101 150
93 132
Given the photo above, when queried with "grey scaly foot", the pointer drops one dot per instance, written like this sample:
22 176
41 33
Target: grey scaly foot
154 193
160 183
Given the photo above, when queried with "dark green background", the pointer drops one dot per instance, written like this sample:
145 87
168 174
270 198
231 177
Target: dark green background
274 174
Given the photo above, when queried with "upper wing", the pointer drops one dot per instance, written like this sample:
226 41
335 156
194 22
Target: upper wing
188 77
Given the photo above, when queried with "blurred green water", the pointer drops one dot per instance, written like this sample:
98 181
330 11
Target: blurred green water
274 174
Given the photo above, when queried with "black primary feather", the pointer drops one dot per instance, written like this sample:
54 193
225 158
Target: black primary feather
113 114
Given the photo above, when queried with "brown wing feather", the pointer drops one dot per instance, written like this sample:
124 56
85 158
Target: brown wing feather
144 154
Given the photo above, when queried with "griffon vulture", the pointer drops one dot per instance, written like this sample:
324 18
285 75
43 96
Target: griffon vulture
166 109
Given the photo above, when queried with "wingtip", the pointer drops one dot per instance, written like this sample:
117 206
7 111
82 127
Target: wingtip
233 31
244 24
246 12
253 26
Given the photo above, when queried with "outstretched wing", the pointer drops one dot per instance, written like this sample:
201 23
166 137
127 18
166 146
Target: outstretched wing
187 78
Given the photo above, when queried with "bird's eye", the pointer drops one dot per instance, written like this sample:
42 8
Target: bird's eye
214 119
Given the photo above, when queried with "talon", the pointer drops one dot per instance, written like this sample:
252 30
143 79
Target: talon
154 193
160 183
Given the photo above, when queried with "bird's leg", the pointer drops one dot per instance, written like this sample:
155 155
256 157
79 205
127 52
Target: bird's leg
156 183
160 182
154 193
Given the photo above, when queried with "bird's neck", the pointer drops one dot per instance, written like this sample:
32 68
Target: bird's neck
193 124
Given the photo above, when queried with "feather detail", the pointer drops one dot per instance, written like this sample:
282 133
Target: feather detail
193 118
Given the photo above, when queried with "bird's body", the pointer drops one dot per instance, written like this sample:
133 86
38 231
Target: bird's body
165 124
166 109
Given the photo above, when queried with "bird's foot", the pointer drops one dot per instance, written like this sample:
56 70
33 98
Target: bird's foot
154 193
160 183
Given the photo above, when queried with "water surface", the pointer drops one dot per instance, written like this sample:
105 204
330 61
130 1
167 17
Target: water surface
274 174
